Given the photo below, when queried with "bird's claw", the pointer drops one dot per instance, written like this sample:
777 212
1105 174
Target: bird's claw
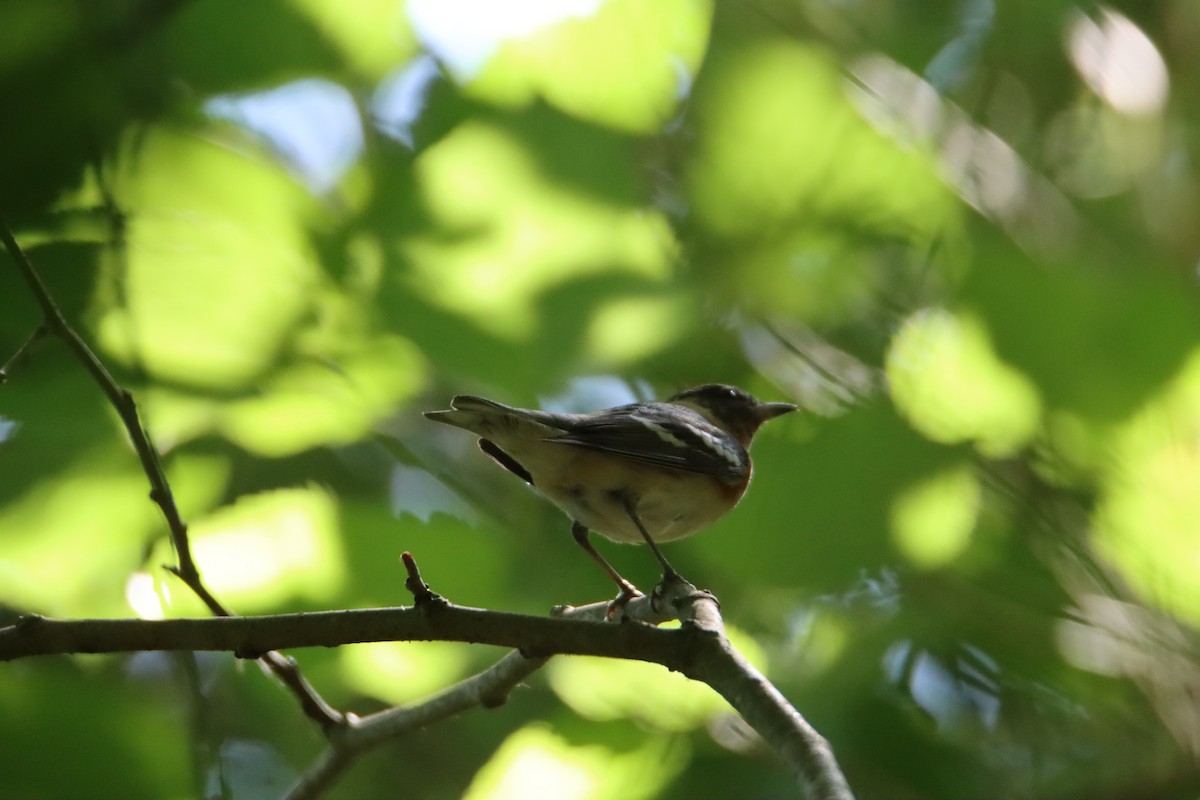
616 606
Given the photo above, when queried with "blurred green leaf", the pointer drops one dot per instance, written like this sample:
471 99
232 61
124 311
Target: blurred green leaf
269 548
962 240
780 143
645 693
946 379
535 760
1150 507
1095 339
129 722
217 47
217 276
626 65
371 37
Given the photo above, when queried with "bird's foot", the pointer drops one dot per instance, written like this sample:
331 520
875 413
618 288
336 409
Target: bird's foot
616 606
674 588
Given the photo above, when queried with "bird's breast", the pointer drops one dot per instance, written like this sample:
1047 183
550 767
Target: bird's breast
594 489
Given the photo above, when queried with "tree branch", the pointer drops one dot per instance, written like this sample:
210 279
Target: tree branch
699 649
160 490
122 401
38 333
806 752
250 637
488 689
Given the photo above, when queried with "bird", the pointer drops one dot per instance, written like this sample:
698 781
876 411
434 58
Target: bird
643 472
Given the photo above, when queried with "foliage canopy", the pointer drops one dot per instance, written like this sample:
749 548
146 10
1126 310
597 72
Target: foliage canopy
964 241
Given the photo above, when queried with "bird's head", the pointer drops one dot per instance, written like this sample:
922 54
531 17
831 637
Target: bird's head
731 408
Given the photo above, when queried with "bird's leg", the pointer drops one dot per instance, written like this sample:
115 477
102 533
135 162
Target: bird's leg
669 572
627 590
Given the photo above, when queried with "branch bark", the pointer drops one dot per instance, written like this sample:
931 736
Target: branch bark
698 649
249 637
283 667
488 689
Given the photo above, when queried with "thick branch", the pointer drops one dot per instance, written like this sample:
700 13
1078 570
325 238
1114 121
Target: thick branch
699 650
802 749
252 636
715 662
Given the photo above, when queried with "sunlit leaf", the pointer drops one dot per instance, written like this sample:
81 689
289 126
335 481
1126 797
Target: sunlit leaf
503 234
218 270
271 547
70 542
402 672
627 65
647 693
1150 512
629 329
932 520
946 379
779 143
373 37
311 404
1097 340
534 761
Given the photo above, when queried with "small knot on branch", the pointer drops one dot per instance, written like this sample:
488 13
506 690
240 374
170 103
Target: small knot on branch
422 594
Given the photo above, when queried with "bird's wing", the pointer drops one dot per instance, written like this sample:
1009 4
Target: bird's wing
662 436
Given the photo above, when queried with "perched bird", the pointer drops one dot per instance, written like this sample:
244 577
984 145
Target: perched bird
649 472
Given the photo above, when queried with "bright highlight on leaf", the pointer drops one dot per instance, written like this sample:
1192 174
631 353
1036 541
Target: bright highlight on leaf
626 330
142 595
779 143
932 520
536 762
504 233
950 385
1148 523
271 547
372 35
95 509
318 403
401 672
647 693
218 275
621 63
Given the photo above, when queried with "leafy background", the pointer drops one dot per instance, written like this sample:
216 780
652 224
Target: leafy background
963 237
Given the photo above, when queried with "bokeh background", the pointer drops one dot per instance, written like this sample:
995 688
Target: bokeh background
961 234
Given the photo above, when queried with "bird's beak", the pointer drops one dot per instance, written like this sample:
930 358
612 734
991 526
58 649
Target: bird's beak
766 411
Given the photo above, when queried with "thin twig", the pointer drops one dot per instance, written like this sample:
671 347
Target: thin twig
415 584
486 689
122 401
38 334
160 489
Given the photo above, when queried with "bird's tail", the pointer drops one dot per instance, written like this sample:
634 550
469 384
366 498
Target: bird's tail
489 418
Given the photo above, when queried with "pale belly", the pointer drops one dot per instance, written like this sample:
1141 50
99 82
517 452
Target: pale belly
670 508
